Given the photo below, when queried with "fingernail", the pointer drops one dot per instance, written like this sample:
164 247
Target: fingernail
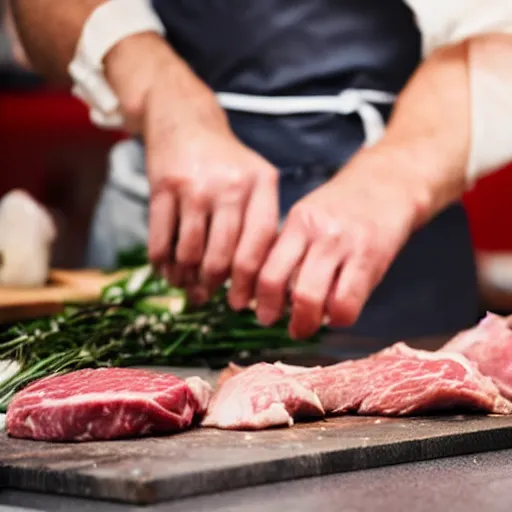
265 317
237 300
296 335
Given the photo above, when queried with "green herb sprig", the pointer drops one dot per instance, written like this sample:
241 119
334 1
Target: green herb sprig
138 320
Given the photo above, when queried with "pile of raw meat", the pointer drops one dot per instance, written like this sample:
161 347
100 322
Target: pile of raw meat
472 372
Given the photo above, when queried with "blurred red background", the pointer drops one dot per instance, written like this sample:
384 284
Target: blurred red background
49 147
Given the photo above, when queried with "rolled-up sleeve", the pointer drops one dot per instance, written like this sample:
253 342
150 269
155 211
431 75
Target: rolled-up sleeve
446 22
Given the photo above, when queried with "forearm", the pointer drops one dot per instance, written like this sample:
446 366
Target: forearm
49 31
145 63
428 138
450 125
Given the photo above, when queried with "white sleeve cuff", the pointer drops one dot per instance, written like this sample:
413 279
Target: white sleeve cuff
446 22
107 25
491 111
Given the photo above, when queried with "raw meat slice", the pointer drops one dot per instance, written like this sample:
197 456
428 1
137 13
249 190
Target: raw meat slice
234 369
230 371
398 381
489 346
107 403
290 369
341 387
410 381
259 397
401 381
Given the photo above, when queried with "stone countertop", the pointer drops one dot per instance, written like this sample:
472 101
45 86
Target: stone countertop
471 483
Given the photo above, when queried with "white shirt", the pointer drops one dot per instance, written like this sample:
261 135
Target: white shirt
445 22
441 22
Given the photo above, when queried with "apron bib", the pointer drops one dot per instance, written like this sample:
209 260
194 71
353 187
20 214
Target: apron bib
306 84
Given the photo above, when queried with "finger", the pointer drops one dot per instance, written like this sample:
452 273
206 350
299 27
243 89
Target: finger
190 276
198 295
174 273
312 287
186 277
192 236
274 279
162 225
259 233
358 277
196 292
222 241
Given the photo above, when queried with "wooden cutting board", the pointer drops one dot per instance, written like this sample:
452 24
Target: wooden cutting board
63 286
207 461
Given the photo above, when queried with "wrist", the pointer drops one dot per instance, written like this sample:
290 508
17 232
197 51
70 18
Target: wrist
435 168
142 62
403 175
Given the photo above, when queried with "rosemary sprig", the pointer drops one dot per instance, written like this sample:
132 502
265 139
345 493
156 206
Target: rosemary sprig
138 320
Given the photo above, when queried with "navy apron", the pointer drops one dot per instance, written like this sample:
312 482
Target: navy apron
304 49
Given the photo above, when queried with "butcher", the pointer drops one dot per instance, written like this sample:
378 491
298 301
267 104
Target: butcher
313 152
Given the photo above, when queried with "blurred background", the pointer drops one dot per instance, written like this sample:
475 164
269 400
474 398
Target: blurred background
49 148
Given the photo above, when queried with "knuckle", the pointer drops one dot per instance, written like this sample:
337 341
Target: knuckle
297 211
306 299
365 234
186 257
197 196
368 256
331 238
216 268
297 215
246 266
306 216
234 186
163 181
189 253
235 181
269 283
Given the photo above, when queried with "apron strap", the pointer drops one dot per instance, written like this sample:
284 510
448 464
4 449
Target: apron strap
349 101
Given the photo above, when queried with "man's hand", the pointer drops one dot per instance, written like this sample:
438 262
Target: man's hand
340 240
337 244
210 194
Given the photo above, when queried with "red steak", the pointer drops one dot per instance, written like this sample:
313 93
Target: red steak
108 403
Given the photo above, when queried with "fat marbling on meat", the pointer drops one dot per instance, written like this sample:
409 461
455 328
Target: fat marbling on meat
106 403
259 397
489 346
